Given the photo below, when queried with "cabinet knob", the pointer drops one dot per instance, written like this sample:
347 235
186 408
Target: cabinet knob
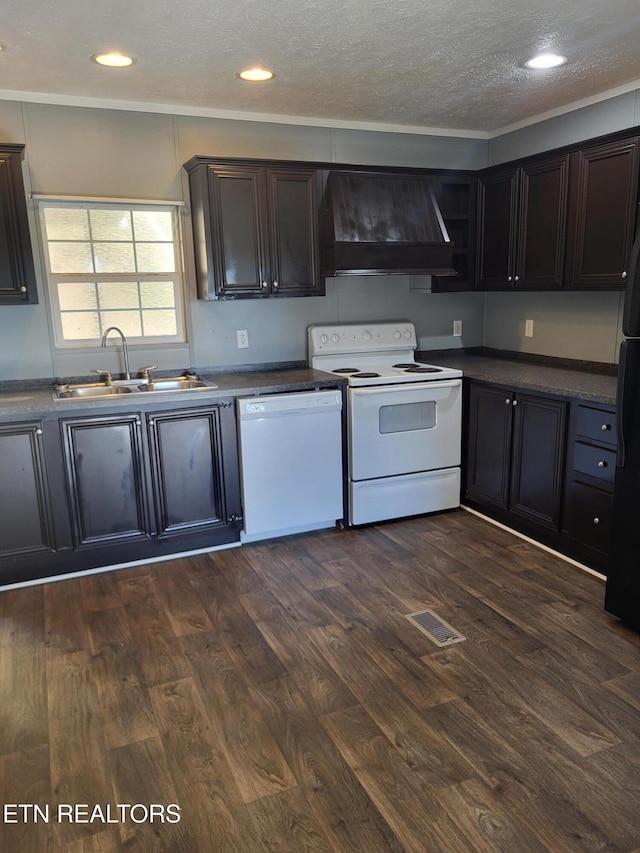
605 427
275 285
602 464
624 274
507 402
38 431
23 289
515 403
509 278
596 520
151 422
138 422
265 285
516 278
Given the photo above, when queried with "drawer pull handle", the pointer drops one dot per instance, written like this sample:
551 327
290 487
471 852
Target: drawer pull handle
596 520
602 464
605 427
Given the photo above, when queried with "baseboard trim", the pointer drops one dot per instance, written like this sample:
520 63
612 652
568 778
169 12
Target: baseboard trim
528 539
112 568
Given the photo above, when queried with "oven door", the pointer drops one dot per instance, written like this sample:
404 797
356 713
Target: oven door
402 429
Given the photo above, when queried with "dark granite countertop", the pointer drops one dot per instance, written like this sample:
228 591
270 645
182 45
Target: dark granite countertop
586 380
21 401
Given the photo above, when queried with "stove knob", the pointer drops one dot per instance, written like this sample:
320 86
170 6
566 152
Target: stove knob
397 334
324 339
335 337
407 333
366 336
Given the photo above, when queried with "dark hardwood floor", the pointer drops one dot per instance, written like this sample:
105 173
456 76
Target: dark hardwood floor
277 695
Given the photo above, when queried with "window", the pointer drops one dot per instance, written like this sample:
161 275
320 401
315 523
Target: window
113 264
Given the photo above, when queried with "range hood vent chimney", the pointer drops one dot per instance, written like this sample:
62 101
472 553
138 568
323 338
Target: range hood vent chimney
383 224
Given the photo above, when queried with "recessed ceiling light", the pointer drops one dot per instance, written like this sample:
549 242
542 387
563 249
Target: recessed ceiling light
113 59
256 75
545 60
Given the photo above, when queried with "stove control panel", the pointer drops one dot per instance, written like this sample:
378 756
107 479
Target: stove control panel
372 337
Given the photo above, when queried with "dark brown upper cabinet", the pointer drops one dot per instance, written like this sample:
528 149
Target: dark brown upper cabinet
255 229
602 214
456 196
17 273
522 225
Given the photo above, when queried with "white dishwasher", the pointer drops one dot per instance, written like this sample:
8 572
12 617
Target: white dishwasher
290 462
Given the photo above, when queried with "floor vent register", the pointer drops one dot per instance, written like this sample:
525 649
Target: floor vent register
435 628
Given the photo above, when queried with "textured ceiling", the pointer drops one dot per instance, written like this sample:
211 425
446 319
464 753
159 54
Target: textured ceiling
449 64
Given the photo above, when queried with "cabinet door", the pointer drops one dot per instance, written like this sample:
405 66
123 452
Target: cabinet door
25 501
538 459
542 228
186 460
238 231
497 229
17 274
293 202
604 188
106 479
489 445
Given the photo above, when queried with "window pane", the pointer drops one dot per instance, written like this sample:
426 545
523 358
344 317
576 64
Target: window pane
153 225
155 257
114 257
79 295
159 322
77 325
118 294
64 224
111 225
128 321
157 294
70 257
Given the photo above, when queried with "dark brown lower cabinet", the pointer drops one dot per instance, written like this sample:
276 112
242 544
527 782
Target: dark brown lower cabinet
187 469
152 477
591 464
106 479
543 466
116 488
515 454
26 516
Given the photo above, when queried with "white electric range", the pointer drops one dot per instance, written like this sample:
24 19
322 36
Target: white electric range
404 420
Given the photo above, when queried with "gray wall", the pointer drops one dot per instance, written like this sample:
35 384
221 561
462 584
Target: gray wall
109 153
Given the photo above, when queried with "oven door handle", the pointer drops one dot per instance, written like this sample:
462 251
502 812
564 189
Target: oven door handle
405 387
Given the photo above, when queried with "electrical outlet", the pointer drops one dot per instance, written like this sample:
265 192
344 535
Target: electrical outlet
457 328
528 328
242 336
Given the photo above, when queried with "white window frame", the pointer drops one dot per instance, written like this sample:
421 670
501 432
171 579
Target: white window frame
177 276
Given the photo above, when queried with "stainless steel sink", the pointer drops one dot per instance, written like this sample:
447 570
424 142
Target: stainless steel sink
83 392
98 390
175 383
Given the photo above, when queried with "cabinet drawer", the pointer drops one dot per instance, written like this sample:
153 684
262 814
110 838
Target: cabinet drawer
596 424
594 461
588 517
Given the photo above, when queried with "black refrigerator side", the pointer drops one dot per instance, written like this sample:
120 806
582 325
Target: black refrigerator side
622 596
631 316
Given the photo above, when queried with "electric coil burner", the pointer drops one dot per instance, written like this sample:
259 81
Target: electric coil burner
404 420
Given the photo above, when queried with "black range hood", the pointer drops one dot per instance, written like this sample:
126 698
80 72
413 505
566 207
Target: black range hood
383 224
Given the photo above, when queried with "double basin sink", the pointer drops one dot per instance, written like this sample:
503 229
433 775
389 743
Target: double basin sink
99 390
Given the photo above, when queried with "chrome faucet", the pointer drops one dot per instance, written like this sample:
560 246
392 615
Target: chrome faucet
125 354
